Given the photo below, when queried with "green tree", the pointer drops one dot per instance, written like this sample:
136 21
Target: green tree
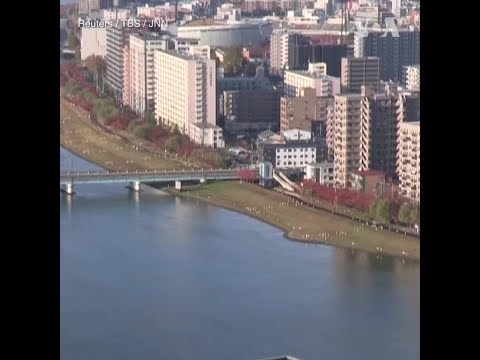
173 143
150 118
383 209
97 66
415 216
72 87
405 213
142 131
73 41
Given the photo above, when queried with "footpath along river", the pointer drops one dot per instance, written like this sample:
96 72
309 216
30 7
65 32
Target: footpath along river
152 276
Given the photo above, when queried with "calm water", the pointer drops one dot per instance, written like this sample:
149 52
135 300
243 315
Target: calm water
154 277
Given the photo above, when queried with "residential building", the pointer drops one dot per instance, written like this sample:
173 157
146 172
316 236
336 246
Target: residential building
208 135
411 77
408 106
378 137
408 160
357 72
246 110
293 149
117 38
347 136
321 172
285 51
141 70
93 42
315 77
185 91
394 52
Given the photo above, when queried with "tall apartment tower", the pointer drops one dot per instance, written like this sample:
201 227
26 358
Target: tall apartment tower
357 72
411 77
282 54
185 90
140 71
378 148
278 51
408 160
394 52
365 133
118 37
408 106
347 136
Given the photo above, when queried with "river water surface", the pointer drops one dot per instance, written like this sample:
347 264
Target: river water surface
150 276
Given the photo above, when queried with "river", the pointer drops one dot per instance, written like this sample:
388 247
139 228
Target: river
152 276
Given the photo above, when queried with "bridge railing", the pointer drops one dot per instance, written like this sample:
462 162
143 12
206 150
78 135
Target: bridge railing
155 171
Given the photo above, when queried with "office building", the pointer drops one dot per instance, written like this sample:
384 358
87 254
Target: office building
411 77
298 112
408 160
248 110
357 72
140 71
259 81
394 52
93 42
185 91
315 77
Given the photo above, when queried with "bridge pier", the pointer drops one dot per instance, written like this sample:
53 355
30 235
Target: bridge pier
178 185
135 186
68 189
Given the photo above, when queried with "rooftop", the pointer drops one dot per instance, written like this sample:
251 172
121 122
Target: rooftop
148 36
204 22
369 173
206 125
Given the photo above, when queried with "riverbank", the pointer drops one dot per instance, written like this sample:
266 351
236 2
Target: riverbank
299 222
110 151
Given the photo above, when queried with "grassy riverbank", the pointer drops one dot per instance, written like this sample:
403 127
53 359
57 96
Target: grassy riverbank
298 222
107 150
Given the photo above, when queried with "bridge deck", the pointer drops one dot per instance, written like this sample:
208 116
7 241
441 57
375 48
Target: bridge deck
99 177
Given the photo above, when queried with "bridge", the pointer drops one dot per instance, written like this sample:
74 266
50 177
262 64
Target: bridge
135 178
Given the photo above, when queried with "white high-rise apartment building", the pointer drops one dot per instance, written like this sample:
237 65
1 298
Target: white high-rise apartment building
279 41
140 72
347 136
93 42
408 160
185 92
